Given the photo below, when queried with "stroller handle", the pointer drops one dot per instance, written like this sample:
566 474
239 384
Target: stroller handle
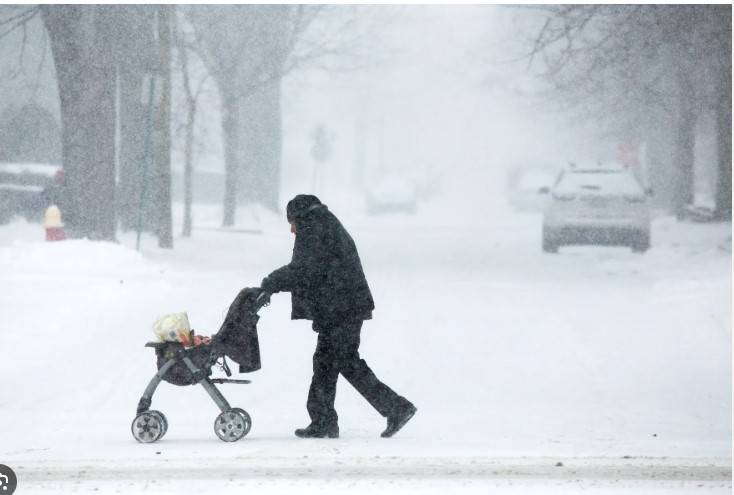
262 299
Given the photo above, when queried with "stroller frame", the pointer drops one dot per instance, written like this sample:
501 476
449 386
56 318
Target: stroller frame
231 424
204 381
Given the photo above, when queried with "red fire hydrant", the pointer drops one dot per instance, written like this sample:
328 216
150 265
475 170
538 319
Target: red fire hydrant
53 224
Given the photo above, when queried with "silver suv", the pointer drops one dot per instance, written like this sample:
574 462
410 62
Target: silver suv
603 205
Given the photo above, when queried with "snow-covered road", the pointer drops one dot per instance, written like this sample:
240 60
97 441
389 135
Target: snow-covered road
393 467
616 364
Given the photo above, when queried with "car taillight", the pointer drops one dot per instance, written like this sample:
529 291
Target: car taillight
564 197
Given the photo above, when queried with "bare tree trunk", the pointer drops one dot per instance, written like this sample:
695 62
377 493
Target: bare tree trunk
723 146
86 83
684 154
683 162
271 172
191 103
261 147
131 28
162 184
230 131
658 151
132 146
188 170
723 120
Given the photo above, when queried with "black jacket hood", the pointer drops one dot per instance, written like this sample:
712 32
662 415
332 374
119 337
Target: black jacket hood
302 204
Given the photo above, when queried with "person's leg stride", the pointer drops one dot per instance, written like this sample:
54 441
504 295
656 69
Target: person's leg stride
397 409
321 394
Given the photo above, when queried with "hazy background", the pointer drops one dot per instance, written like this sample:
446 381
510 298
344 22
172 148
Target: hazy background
435 94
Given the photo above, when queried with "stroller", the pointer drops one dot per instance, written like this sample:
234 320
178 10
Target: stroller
179 365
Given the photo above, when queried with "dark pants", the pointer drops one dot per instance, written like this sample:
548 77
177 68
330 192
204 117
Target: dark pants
337 351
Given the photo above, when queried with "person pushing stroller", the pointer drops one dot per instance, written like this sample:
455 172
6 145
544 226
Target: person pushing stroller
328 287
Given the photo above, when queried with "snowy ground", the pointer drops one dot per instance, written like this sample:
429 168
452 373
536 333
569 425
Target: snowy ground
617 365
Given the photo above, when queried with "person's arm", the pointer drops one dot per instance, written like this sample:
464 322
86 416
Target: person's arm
280 280
304 269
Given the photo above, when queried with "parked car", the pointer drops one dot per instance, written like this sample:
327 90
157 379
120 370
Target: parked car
27 189
390 195
603 205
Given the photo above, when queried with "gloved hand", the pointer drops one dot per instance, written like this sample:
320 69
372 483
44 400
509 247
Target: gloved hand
263 299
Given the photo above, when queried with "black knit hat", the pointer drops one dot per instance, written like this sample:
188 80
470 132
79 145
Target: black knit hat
300 205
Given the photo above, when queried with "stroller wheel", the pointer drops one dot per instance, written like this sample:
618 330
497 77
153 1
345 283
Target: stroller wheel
232 425
147 427
163 421
246 418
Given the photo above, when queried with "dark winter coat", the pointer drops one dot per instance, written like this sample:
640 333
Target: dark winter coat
325 276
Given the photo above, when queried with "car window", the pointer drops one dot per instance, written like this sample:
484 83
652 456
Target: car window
599 181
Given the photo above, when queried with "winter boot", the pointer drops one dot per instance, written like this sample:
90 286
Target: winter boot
318 431
398 419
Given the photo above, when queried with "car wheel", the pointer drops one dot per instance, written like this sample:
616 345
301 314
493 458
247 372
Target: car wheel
550 245
641 242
